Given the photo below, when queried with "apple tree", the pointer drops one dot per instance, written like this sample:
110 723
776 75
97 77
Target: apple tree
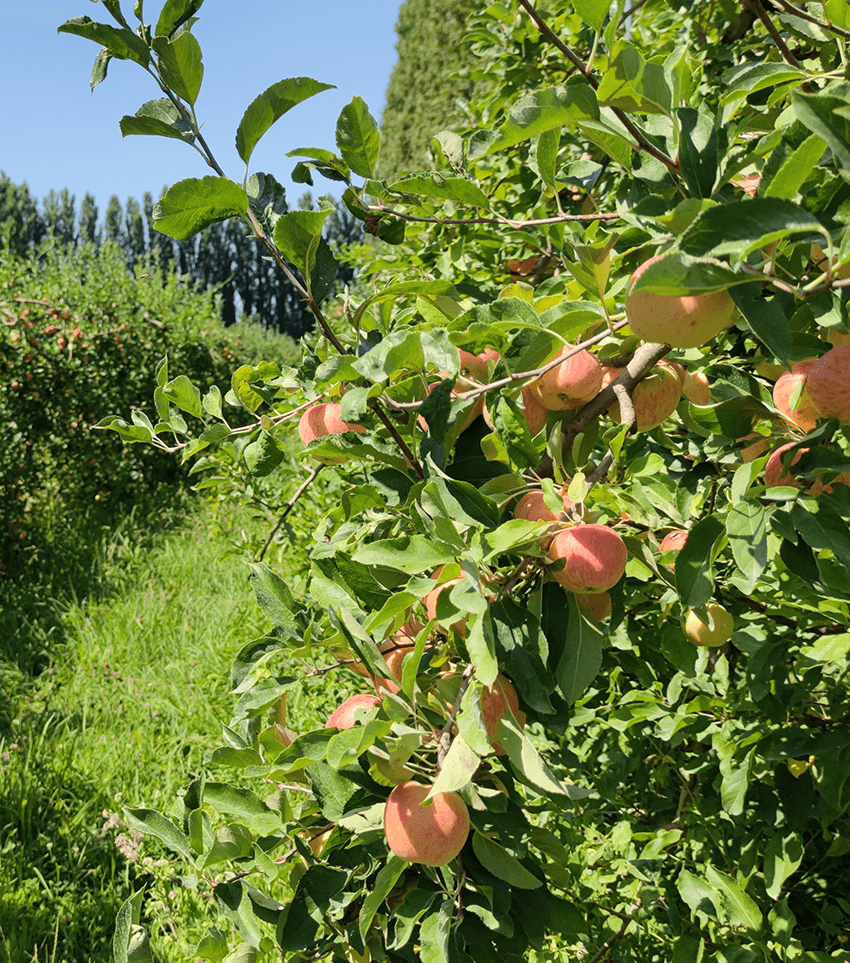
589 553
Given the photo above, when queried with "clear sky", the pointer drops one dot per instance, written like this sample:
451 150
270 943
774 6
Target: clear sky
54 133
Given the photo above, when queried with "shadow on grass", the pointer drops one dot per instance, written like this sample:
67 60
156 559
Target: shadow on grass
64 881
67 561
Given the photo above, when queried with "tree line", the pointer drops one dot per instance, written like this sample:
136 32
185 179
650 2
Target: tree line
222 257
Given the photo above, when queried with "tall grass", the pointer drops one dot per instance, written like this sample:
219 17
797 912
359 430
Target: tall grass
135 695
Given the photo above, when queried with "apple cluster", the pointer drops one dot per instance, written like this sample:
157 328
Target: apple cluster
580 550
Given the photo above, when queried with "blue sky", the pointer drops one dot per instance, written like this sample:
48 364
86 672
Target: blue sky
54 133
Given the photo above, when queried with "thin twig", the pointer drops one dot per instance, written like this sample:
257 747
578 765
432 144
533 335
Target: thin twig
289 506
770 26
621 932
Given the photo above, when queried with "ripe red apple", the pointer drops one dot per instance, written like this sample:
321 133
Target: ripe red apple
432 835
759 445
594 558
716 631
673 542
655 397
570 384
495 702
803 414
322 420
828 384
345 715
689 321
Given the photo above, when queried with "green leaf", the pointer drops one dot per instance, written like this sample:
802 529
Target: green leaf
633 84
544 157
751 77
244 804
459 768
527 761
195 203
481 643
830 648
358 137
152 823
820 526
263 455
818 113
295 234
100 68
740 227
746 526
740 909
175 13
434 935
122 43
581 658
181 65
274 597
181 392
539 111
694 580
442 186
592 12
782 857
234 903
699 896
126 928
159 118
505 867
795 169
767 317
384 882
408 553
698 149
229 843
269 107
677 274
213 946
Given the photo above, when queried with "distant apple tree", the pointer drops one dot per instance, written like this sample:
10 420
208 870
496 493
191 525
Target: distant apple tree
600 615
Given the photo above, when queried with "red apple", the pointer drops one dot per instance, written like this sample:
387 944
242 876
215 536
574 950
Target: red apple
345 715
803 414
594 558
320 421
828 384
570 384
432 834
495 702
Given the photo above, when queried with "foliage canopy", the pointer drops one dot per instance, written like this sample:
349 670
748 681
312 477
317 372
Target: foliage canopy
663 801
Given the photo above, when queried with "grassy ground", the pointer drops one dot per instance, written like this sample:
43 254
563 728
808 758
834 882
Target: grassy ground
135 694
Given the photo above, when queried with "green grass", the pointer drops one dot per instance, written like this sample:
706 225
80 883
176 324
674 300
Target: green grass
135 694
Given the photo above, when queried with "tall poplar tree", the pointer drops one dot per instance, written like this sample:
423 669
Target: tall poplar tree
423 92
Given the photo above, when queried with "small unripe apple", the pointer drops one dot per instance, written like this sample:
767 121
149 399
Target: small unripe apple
828 384
594 558
689 321
433 834
345 715
716 631
570 384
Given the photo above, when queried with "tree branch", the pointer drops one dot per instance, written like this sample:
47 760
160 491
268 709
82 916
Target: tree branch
289 506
